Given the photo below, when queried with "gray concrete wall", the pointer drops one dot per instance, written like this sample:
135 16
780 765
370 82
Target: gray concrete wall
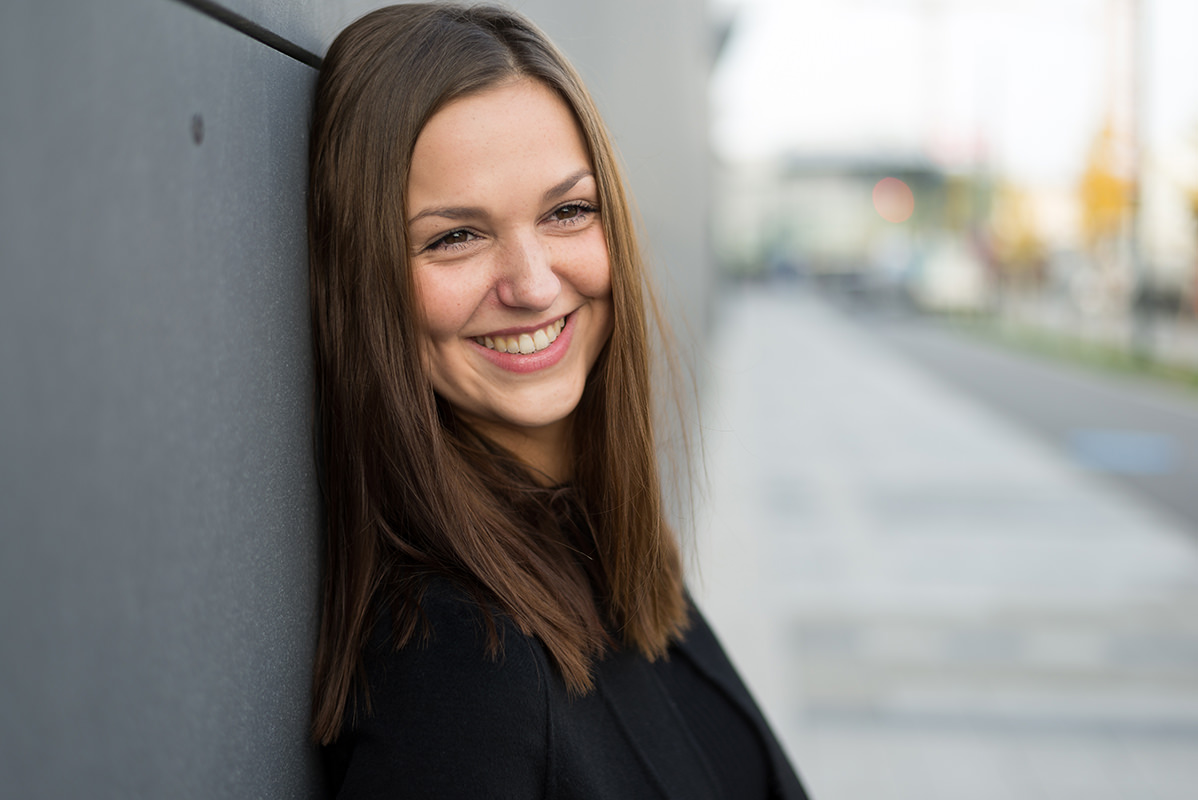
158 510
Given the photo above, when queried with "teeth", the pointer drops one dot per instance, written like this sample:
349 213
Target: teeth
524 343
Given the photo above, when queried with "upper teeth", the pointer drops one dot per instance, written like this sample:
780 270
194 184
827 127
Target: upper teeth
524 343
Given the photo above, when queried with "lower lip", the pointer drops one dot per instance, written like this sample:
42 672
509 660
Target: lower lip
533 362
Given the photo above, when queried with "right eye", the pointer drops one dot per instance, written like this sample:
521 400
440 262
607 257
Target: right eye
453 240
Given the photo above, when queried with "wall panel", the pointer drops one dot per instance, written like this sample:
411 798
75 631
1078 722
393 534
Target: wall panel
158 561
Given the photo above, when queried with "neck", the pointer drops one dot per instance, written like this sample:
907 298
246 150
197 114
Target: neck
546 450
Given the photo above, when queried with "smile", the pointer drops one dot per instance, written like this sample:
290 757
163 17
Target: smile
524 343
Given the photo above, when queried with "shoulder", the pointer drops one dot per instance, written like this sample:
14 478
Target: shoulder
446 718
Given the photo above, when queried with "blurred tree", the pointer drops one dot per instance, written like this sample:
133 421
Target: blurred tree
1192 195
1015 241
1192 198
1105 196
960 202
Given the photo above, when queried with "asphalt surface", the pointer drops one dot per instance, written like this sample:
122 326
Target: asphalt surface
1133 431
932 596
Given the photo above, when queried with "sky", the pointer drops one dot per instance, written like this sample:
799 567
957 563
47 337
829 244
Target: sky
1020 85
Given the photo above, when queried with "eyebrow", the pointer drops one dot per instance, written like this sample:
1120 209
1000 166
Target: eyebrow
568 184
472 212
454 212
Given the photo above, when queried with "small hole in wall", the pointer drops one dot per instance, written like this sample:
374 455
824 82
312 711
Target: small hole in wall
197 129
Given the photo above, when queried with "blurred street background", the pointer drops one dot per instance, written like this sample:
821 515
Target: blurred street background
951 391
937 263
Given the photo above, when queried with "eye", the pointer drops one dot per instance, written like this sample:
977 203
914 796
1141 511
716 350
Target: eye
572 213
453 240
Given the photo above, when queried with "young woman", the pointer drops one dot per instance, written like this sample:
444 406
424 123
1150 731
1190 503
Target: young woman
504 612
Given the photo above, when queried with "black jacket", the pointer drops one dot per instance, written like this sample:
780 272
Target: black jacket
446 721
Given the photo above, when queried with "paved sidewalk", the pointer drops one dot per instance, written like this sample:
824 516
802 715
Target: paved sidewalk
929 603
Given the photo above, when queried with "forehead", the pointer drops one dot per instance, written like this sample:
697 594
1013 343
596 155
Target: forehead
496 141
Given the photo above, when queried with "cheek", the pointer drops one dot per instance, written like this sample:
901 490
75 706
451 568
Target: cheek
445 303
590 268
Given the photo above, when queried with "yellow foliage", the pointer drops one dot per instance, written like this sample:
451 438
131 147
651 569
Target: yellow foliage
1015 235
1105 197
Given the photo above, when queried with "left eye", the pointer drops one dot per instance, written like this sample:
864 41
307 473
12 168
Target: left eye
453 240
571 212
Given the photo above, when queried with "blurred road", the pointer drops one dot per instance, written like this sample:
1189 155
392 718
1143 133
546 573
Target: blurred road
931 600
1140 434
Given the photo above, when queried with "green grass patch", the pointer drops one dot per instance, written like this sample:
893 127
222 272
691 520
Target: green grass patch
1063 347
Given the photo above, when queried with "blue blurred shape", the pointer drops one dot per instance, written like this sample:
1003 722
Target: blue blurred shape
1123 452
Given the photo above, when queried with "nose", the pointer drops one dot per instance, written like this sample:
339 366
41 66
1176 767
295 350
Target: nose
527 278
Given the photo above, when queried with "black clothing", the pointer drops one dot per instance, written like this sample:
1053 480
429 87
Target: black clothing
447 721
730 745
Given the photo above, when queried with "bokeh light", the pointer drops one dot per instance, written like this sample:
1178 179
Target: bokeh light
894 200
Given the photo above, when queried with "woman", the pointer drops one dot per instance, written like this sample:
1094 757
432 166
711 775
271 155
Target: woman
504 612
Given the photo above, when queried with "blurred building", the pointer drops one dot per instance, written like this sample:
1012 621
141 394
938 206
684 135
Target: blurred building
1063 137
829 220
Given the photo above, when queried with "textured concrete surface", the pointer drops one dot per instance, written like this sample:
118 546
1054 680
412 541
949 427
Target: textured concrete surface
929 601
158 501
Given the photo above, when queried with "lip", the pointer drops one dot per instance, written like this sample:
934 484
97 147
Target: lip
533 362
528 328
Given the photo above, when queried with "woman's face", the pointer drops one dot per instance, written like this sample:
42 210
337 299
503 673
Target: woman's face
509 258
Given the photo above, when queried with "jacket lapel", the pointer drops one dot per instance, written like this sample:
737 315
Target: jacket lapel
650 721
706 653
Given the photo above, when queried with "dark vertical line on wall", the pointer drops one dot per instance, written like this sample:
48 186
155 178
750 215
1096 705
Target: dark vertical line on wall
254 31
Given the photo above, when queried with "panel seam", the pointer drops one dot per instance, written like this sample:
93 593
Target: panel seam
254 31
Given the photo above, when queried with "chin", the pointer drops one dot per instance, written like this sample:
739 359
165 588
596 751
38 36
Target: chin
531 422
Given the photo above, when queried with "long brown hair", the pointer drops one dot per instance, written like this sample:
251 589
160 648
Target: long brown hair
410 492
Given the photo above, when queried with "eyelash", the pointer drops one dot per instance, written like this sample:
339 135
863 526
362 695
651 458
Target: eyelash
583 208
441 244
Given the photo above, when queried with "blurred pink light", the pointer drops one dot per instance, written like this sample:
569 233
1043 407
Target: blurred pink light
893 199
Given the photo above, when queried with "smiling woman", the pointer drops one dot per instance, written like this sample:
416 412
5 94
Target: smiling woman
504 613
